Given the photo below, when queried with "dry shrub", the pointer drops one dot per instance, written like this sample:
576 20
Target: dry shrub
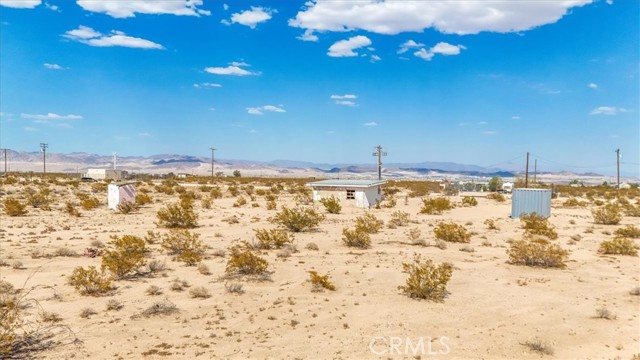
273 238
88 202
435 206
240 201
469 201
414 235
604 313
244 262
607 215
537 252
298 219
87 312
451 232
70 208
320 282
618 246
368 223
185 245
178 215
89 281
629 231
400 218
357 238
539 347
39 199
312 246
14 207
491 224
125 256
127 207
573 202
332 205
234 288
199 292
426 280
143 199
114 304
165 307
534 224
496 196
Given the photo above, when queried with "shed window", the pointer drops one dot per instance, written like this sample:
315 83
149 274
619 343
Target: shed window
351 194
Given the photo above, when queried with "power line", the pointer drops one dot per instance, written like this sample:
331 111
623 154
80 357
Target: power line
379 153
44 147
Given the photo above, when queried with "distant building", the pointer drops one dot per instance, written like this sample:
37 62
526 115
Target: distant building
362 193
120 193
104 174
507 187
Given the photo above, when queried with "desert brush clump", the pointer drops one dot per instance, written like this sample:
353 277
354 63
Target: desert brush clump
435 206
331 204
70 208
358 238
298 219
469 201
243 261
272 238
491 224
534 224
125 256
629 231
143 199
127 207
320 282
88 202
451 232
13 207
537 252
185 245
573 203
607 215
426 280
369 223
496 196
89 281
39 199
399 218
178 215
618 246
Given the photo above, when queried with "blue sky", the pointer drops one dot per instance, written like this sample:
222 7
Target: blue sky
474 82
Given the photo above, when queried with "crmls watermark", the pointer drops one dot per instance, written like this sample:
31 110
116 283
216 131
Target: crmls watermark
397 345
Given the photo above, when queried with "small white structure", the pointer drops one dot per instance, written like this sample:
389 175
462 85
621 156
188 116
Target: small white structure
528 201
364 193
103 174
507 187
119 193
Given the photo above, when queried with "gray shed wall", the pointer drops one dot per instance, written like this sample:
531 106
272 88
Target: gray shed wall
527 201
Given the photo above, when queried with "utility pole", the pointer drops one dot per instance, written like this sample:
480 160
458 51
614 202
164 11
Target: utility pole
44 147
212 150
115 160
618 168
535 171
379 153
5 160
526 173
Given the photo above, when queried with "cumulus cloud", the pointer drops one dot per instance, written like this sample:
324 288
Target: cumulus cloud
370 123
593 85
608 110
346 99
235 68
206 85
252 17
344 48
261 109
375 58
408 45
449 17
89 36
441 48
52 66
308 36
129 8
20 4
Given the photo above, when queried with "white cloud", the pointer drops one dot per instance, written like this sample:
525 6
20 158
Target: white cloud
50 116
482 123
409 44
346 99
608 110
370 123
346 96
424 54
515 117
206 85
593 86
253 131
20 4
88 36
489 132
261 109
375 58
225 7
235 68
308 36
252 17
441 48
144 134
52 66
449 17
129 8
344 48
52 7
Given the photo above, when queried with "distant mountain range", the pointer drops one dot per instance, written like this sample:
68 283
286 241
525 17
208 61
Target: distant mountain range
164 163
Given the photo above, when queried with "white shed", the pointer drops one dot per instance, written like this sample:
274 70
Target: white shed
363 193
119 193
103 174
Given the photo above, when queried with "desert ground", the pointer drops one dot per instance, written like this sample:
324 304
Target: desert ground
493 309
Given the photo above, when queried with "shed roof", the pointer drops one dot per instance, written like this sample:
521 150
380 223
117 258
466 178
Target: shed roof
346 183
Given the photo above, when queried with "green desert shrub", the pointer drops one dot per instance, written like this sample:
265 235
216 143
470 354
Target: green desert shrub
125 256
298 219
332 205
273 238
607 215
534 224
185 245
243 261
426 280
320 282
435 206
629 231
369 223
537 252
451 232
89 281
178 215
469 201
13 207
399 218
618 246
357 238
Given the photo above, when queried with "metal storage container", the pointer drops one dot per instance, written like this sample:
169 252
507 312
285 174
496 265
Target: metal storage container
527 201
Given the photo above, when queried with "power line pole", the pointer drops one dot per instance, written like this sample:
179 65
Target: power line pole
379 153
618 168
44 147
5 160
526 173
212 150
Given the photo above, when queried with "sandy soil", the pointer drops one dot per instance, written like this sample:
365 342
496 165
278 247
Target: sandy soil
493 307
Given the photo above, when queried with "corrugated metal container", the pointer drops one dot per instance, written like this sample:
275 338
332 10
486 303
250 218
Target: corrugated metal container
527 201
